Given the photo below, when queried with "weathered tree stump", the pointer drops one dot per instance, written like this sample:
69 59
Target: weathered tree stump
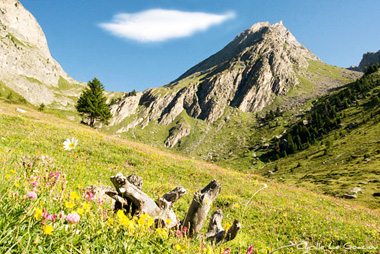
216 232
200 206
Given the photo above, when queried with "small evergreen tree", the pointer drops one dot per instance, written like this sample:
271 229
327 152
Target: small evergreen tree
92 103
41 107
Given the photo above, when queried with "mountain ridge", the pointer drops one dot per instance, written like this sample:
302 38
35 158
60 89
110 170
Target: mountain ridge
261 66
26 64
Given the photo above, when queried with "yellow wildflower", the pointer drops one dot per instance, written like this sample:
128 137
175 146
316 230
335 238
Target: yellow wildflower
80 211
48 229
69 204
162 232
13 171
178 247
86 206
150 221
7 176
141 221
227 226
110 222
120 214
236 205
168 221
17 185
74 195
37 214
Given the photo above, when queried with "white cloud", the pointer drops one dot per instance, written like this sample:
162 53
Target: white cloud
157 25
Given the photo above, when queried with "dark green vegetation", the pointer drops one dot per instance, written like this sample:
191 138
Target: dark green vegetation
335 145
116 97
92 104
328 113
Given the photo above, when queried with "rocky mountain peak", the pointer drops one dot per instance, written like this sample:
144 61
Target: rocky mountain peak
258 65
26 65
276 35
368 59
22 23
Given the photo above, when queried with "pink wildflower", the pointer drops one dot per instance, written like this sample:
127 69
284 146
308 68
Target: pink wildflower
250 249
226 251
31 195
34 184
89 195
72 218
47 216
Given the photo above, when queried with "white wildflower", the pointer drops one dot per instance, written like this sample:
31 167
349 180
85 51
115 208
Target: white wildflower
70 144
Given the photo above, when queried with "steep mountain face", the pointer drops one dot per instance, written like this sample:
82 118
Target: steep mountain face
26 65
369 59
261 64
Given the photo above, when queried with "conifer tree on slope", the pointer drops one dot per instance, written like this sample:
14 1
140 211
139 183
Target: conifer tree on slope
92 103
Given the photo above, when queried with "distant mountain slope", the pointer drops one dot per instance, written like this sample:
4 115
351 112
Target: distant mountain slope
264 66
334 148
369 59
26 65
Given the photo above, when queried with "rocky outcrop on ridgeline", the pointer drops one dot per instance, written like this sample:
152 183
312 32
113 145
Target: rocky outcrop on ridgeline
26 65
369 59
179 131
261 63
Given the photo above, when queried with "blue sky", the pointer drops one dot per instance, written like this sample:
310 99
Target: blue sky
89 40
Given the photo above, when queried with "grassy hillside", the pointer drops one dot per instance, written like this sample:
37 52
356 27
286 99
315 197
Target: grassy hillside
270 219
230 140
344 152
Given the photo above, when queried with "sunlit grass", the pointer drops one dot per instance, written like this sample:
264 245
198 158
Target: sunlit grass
270 219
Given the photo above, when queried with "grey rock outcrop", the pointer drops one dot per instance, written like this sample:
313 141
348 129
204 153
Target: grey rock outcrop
369 59
260 64
26 65
176 133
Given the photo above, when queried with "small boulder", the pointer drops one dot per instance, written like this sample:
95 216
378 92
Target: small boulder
20 110
349 196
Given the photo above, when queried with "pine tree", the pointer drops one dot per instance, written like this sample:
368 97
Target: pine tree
92 103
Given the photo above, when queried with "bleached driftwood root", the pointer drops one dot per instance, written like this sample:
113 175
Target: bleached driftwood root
133 196
129 197
200 206
216 232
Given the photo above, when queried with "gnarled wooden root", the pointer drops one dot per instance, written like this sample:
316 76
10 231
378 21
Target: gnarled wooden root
133 196
200 207
216 232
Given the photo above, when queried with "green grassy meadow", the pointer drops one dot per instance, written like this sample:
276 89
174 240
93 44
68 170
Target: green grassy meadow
271 218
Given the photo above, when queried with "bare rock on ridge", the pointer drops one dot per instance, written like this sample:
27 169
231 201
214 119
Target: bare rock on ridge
26 65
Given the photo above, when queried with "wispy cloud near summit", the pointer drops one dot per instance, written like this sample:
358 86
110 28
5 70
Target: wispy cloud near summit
157 25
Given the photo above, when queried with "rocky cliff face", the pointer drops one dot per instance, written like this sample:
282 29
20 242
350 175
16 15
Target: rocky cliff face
26 65
369 59
259 65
